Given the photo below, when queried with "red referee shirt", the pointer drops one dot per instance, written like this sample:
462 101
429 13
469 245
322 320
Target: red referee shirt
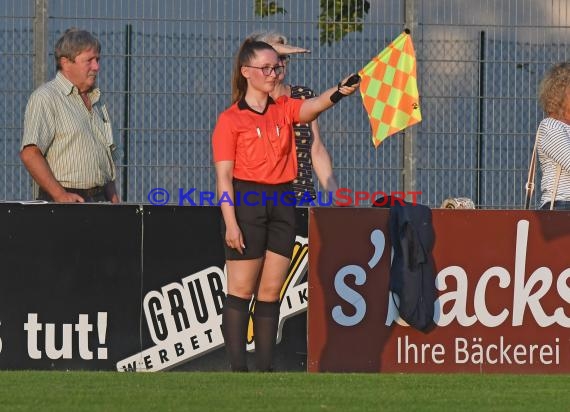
262 145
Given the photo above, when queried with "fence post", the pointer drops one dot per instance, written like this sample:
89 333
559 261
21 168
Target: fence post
409 151
481 119
127 112
40 42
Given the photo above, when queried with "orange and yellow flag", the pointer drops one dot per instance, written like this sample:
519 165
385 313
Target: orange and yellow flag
389 89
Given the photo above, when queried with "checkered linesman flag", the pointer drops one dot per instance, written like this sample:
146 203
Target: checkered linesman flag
389 89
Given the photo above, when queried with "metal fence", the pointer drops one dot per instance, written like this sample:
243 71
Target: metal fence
166 67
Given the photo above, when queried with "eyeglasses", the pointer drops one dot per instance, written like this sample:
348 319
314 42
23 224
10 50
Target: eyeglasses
284 58
266 70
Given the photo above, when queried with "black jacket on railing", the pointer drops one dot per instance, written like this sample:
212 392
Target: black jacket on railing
412 272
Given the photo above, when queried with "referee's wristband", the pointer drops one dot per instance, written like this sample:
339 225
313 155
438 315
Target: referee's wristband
336 96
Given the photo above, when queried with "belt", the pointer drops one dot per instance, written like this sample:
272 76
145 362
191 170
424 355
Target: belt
94 194
86 192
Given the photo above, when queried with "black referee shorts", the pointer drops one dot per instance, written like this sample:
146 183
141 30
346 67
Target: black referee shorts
266 217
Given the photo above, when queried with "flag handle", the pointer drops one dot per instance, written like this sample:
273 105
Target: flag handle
336 96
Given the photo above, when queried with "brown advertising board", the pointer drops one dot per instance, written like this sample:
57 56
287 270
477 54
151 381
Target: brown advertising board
502 278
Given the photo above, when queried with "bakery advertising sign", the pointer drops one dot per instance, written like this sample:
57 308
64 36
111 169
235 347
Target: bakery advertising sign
503 289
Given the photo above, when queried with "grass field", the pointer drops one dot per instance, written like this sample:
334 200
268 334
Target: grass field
292 392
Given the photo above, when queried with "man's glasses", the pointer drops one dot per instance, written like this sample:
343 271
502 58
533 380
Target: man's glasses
266 70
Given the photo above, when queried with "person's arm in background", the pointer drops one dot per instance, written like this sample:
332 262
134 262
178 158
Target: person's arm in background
39 130
37 165
321 160
111 192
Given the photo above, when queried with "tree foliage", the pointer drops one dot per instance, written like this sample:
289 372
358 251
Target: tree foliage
341 17
266 8
337 18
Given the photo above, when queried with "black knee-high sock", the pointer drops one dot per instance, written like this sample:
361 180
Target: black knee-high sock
235 318
265 322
